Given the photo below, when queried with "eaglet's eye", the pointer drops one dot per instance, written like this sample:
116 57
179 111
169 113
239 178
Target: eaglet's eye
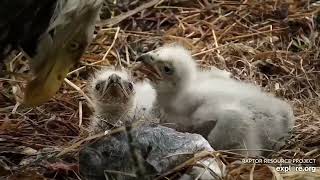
98 86
168 70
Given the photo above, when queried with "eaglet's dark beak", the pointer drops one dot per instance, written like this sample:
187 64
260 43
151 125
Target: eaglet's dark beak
114 87
148 66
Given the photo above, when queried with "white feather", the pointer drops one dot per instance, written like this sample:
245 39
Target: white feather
246 117
66 10
140 107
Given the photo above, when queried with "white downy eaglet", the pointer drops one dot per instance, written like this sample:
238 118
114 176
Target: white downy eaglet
229 113
117 100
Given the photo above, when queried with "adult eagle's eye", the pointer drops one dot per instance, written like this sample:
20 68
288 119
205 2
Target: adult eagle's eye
74 46
168 70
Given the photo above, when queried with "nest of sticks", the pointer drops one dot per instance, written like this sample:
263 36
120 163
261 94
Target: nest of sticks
274 44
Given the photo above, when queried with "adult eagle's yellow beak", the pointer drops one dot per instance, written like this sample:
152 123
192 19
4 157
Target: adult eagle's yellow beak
59 50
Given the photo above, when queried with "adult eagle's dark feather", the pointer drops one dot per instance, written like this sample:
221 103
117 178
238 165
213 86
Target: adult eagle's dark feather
53 33
22 22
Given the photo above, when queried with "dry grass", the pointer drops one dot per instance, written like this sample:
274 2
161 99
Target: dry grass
274 44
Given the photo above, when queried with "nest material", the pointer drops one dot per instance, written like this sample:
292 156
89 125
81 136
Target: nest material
274 44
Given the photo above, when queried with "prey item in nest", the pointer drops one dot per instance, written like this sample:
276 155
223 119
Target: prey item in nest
145 152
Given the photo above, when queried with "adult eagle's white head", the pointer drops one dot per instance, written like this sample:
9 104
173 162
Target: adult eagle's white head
53 33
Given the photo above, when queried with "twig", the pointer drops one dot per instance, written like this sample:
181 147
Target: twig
121 17
99 135
14 110
215 41
209 50
135 155
254 34
79 90
112 44
251 171
80 113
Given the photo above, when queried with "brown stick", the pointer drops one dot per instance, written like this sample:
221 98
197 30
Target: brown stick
113 21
